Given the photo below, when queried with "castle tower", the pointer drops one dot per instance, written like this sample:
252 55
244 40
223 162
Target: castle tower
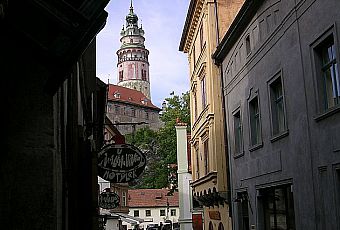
133 65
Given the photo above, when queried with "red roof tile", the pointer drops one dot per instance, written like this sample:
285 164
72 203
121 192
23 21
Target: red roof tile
130 96
151 198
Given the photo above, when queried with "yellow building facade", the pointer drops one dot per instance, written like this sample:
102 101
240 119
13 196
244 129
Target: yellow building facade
206 22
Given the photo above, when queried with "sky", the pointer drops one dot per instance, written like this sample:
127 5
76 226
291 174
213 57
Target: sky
163 22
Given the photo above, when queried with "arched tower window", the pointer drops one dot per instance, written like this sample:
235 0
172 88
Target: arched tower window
143 75
121 75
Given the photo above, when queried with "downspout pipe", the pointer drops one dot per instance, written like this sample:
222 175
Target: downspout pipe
228 161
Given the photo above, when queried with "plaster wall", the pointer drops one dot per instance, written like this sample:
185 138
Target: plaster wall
305 155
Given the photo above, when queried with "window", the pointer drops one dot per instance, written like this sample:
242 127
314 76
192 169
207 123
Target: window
195 105
133 112
136 213
220 226
337 189
148 212
255 126
173 212
238 132
330 83
121 75
197 162
243 210
278 208
201 36
124 199
277 106
204 93
206 157
162 212
117 109
117 95
194 55
248 49
143 75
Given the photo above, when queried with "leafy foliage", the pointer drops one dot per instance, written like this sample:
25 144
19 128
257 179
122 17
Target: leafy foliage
160 146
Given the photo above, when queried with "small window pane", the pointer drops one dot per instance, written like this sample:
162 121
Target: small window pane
238 132
147 212
173 212
329 67
162 212
255 121
277 105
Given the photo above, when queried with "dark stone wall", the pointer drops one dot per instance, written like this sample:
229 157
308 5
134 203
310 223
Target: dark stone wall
27 164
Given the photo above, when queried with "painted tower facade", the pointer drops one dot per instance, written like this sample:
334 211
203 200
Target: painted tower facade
133 64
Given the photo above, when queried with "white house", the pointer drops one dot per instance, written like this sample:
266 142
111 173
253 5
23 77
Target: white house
154 206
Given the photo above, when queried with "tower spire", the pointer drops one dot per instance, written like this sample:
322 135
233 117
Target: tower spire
131 7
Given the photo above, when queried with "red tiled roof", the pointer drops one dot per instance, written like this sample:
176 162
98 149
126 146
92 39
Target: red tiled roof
130 96
151 198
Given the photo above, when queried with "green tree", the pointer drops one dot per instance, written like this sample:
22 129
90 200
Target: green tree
160 147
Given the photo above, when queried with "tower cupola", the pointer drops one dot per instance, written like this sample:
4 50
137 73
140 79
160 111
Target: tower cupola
133 64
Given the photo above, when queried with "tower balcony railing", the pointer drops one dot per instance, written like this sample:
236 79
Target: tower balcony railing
120 60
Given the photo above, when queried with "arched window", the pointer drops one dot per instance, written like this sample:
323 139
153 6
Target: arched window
220 226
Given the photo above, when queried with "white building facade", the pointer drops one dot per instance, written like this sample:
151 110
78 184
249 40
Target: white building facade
154 206
184 178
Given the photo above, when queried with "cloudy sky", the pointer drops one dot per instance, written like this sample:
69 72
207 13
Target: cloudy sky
163 22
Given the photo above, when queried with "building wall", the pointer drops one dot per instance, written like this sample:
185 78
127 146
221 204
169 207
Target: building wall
128 113
155 215
302 157
184 179
208 153
139 85
49 149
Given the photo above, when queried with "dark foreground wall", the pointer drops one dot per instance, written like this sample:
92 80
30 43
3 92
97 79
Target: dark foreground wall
53 115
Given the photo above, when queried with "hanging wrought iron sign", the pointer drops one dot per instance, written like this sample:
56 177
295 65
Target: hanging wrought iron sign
120 163
108 200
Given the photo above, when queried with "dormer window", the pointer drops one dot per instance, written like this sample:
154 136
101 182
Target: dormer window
144 101
116 95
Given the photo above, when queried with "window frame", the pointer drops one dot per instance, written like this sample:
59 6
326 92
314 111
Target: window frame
270 83
238 152
136 213
121 75
201 34
259 144
203 81
247 42
148 212
171 212
206 156
264 200
196 150
321 111
243 197
160 212
124 200
195 105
